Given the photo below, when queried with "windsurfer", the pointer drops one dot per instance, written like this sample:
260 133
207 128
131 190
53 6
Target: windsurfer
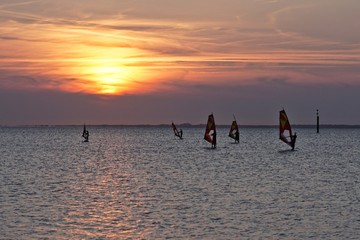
214 139
293 140
237 136
176 132
86 136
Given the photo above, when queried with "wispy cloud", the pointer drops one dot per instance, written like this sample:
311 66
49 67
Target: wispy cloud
41 40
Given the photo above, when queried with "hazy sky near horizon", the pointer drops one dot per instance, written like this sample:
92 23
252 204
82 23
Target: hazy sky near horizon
154 61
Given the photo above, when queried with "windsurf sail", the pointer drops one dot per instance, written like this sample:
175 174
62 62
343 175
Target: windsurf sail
210 131
285 130
84 131
176 132
234 131
85 134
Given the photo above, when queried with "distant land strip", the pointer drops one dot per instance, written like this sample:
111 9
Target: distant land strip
187 125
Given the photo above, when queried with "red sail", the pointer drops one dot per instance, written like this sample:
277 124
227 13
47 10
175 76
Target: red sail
285 130
210 129
233 129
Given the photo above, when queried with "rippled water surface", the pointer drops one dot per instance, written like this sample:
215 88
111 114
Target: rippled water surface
143 183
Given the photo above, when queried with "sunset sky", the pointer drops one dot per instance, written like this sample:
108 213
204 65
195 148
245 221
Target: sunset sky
154 61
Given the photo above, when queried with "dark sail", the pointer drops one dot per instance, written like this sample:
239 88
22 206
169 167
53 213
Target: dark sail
85 134
234 131
210 131
176 132
84 131
285 130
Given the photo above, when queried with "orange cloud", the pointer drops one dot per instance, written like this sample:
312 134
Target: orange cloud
134 52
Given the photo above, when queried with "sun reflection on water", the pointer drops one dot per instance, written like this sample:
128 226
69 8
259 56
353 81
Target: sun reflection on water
110 204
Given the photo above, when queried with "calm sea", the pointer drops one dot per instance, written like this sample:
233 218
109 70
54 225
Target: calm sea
143 183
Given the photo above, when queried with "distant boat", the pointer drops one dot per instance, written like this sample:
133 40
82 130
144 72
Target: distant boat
285 128
210 131
85 134
234 131
176 132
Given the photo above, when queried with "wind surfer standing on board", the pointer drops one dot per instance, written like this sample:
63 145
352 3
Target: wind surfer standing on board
293 140
214 139
237 136
86 136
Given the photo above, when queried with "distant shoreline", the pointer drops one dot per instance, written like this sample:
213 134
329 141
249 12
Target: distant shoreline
185 125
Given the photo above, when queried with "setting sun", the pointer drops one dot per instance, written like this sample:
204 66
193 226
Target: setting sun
110 78
102 70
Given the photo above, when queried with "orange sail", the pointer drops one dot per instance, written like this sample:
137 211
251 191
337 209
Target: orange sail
234 131
285 130
210 129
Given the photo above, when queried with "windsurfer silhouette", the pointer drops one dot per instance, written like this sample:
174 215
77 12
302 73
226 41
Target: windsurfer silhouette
293 140
237 136
214 139
180 133
86 136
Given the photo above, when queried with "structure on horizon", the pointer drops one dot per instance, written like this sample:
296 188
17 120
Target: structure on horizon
317 121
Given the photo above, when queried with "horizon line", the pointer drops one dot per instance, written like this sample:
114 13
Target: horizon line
186 125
